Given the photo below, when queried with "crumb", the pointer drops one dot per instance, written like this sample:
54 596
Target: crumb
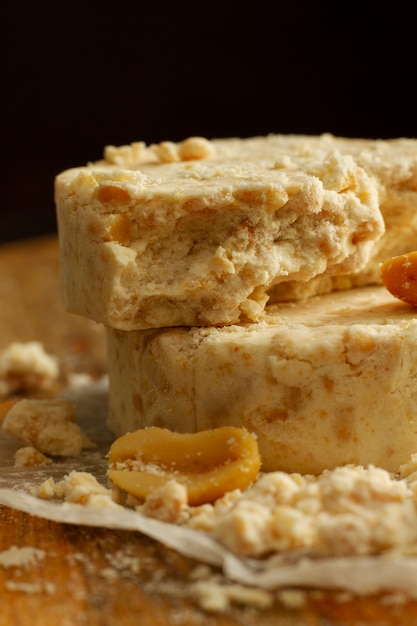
215 595
47 490
46 587
168 503
21 557
49 425
193 148
292 598
78 487
28 456
26 367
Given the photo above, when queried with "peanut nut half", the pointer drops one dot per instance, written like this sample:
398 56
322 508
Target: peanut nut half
209 463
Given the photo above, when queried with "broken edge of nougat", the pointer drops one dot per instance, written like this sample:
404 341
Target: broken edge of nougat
199 232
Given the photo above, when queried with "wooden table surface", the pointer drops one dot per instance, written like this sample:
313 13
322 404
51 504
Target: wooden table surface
89 576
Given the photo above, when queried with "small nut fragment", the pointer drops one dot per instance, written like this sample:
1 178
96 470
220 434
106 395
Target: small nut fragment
112 193
193 148
209 463
399 276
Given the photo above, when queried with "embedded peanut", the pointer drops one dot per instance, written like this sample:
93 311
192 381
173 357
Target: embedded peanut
399 276
209 463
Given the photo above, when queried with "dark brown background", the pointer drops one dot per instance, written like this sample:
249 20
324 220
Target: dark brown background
77 76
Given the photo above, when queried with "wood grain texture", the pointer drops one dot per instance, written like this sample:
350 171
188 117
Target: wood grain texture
97 577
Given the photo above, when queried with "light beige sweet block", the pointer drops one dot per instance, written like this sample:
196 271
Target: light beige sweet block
324 382
393 163
195 233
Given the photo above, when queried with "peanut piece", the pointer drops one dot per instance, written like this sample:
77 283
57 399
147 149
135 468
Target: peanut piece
399 276
111 193
209 463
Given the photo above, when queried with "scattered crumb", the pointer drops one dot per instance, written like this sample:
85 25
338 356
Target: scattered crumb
47 490
78 380
351 510
342 596
78 487
292 598
26 367
29 456
122 561
41 587
193 148
49 425
217 596
21 557
168 503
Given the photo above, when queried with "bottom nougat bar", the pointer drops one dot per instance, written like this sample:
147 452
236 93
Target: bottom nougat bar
324 382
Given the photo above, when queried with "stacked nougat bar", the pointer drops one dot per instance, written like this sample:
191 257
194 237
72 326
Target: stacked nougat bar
239 283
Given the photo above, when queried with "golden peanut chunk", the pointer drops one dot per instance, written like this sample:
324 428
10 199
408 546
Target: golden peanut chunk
399 276
111 193
209 463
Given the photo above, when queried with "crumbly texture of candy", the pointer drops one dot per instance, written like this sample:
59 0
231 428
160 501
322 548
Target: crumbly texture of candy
196 233
350 510
393 165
